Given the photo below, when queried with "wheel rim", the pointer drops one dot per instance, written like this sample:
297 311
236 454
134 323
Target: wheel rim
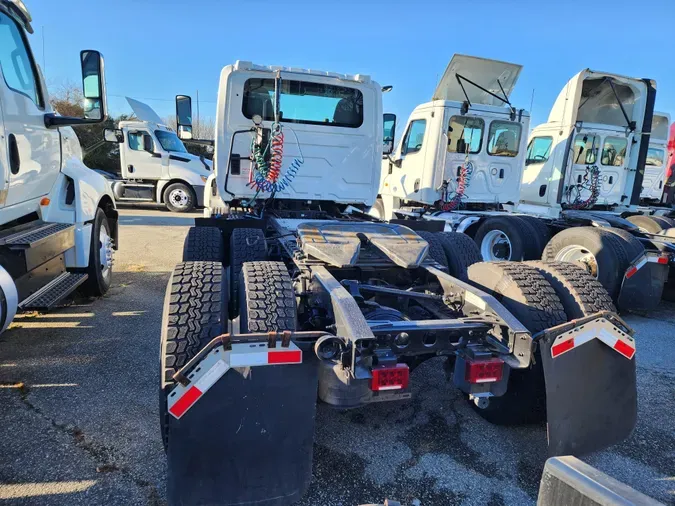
105 252
496 246
179 198
581 256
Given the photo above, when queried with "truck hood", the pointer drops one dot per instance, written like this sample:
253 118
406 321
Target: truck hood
192 162
590 97
143 111
482 71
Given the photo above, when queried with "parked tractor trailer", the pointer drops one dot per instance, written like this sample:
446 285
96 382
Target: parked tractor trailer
58 222
572 193
290 292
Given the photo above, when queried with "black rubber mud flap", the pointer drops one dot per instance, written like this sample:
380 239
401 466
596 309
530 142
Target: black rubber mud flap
591 397
643 290
248 440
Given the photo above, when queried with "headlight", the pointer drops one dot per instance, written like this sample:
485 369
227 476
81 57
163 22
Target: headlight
204 178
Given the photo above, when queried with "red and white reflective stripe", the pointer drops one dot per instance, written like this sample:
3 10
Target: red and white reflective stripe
197 389
663 259
250 355
604 331
218 361
656 259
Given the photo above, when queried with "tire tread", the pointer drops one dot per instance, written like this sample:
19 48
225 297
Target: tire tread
203 244
268 299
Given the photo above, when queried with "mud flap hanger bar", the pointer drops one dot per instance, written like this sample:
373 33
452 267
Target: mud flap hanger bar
612 318
514 335
226 340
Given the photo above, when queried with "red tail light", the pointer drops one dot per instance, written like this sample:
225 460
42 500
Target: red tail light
483 371
386 377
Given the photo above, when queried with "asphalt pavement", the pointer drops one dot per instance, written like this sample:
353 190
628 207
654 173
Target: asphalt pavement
79 410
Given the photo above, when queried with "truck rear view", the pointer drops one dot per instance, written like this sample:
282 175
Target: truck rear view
289 291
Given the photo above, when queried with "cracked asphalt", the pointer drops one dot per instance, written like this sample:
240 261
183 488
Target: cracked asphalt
79 416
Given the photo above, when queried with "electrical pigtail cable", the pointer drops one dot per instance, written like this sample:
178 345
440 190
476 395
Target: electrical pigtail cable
590 183
451 201
269 177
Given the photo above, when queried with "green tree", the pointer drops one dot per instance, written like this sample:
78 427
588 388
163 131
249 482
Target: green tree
98 154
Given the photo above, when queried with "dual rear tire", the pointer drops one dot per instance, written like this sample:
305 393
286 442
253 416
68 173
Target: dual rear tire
511 237
540 295
453 250
605 254
199 299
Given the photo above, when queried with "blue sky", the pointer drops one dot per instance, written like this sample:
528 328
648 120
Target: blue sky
155 49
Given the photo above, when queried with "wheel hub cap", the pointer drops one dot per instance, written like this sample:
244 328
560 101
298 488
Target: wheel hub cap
179 198
581 256
495 246
105 251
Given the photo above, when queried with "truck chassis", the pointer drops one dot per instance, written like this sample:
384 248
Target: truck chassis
308 302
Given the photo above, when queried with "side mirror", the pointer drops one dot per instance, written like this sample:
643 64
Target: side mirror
113 135
389 124
148 145
93 85
184 116
93 90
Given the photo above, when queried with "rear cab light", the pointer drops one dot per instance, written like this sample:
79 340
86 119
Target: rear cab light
389 377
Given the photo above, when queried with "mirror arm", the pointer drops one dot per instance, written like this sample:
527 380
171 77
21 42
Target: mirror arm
52 120
395 162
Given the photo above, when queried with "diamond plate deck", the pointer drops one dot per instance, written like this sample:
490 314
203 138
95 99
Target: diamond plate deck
54 292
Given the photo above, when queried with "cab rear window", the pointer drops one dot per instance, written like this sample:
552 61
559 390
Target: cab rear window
504 138
304 102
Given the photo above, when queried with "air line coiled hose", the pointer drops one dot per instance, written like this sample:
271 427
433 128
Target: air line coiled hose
268 177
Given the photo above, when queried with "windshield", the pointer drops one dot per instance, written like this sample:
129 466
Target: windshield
170 141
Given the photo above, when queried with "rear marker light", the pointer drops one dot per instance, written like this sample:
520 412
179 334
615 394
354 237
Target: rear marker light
484 371
389 377
662 260
631 271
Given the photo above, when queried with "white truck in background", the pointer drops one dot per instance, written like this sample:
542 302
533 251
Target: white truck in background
573 194
58 222
155 166
655 165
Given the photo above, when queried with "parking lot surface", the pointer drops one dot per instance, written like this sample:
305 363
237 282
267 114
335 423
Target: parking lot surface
79 416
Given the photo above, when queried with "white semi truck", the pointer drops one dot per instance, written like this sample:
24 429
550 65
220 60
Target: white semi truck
655 164
571 193
288 290
58 223
155 166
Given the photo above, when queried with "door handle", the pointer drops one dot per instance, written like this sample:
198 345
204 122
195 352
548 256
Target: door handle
130 168
14 159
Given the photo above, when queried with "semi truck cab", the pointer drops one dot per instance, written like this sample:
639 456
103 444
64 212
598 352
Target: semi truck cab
58 222
155 166
656 162
591 146
465 148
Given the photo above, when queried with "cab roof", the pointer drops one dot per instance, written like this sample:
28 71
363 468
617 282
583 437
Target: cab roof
247 65
18 9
